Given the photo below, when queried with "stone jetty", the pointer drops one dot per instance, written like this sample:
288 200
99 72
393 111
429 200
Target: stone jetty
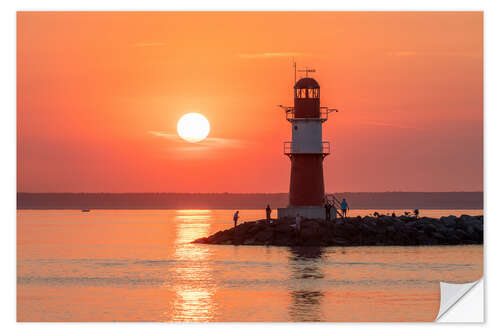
355 231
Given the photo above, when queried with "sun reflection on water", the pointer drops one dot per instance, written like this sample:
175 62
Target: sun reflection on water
195 285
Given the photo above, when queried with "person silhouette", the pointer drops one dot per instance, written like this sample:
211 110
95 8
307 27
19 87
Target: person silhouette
268 213
236 217
298 221
328 208
344 206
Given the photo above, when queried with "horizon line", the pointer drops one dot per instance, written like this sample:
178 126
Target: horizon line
475 191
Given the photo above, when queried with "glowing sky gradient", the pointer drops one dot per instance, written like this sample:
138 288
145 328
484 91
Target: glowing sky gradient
99 96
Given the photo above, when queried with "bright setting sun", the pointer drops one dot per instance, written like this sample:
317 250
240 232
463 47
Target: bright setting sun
193 127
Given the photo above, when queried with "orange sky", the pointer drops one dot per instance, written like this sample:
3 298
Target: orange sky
99 96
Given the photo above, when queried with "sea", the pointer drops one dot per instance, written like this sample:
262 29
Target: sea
140 265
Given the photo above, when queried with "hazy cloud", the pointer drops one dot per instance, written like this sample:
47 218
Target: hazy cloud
207 143
401 53
223 142
149 44
408 53
165 135
270 55
393 125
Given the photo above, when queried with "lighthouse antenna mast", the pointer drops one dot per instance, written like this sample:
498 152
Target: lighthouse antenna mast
307 71
294 72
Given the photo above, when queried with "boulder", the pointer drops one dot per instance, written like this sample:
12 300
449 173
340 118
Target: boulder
249 241
462 235
465 217
367 228
426 220
338 241
265 235
429 228
411 224
255 228
369 219
438 236
449 221
341 230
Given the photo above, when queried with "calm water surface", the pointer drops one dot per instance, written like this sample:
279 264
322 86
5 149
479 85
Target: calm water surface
140 266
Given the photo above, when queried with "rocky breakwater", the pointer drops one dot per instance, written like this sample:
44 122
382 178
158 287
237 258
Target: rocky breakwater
355 231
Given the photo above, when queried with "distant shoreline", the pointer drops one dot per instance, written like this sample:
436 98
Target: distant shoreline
151 201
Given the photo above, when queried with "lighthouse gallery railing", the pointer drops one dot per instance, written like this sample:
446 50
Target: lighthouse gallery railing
323 113
288 148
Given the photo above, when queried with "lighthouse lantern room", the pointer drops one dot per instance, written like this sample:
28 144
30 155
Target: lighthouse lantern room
306 151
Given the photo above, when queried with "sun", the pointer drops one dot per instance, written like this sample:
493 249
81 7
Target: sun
193 127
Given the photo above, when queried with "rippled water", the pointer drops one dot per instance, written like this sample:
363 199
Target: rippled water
140 266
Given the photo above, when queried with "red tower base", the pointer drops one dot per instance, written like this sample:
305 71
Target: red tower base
308 212
307 187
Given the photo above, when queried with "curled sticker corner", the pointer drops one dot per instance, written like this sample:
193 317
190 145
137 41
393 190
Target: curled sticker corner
451 293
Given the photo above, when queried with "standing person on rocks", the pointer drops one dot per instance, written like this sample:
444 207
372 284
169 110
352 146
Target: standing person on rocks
328 208
235 218
344 206
268 213
298 221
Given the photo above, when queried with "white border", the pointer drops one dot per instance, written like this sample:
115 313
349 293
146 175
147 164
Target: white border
8 126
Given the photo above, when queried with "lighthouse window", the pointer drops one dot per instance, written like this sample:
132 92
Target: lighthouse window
295 127
307 93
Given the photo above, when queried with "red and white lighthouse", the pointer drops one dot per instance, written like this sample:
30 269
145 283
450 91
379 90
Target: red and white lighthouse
306 151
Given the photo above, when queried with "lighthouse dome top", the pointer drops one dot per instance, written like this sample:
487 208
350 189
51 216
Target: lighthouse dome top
306 83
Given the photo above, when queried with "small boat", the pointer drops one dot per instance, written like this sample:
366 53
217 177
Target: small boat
85 210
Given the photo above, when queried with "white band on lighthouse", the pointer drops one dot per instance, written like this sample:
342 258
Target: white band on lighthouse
307 136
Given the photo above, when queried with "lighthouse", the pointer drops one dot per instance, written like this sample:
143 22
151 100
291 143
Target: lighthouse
306 151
